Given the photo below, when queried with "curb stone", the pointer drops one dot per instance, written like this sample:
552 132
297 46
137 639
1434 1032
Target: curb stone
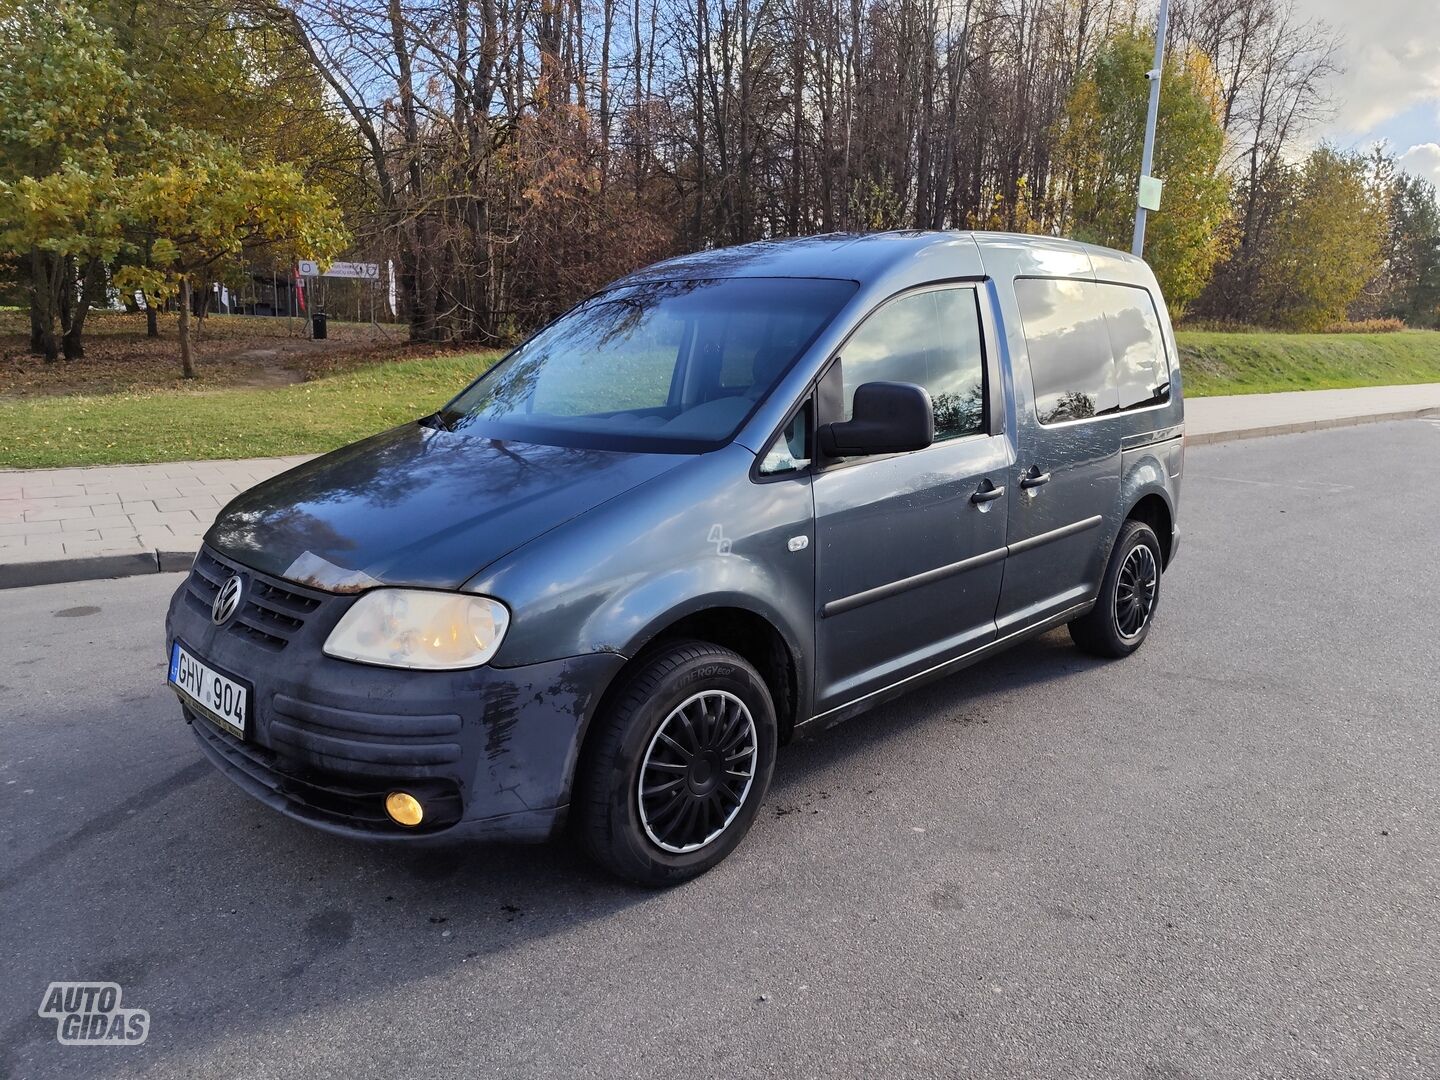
1209 437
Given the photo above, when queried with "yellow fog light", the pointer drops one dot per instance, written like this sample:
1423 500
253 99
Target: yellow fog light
404 808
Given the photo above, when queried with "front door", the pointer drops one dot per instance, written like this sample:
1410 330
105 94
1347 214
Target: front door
911 547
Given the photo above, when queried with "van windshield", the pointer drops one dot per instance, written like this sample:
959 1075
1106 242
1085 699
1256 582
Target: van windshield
672 366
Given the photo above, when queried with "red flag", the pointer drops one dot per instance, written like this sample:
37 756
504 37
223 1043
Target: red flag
299 289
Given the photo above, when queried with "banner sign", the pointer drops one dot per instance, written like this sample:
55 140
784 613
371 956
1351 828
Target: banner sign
360 271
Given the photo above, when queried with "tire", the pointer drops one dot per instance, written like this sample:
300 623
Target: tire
682 724
1116 626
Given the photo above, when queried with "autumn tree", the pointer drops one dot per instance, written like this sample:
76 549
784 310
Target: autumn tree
1412 252
205 208
212 75
1324 244
1274 66
1103 132
99 99
511 156
723 121
67 127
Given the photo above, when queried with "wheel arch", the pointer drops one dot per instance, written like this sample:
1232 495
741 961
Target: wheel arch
1153 508
755 635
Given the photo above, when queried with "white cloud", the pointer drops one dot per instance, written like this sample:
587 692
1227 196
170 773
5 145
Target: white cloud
1391 55
1422 161
1382 81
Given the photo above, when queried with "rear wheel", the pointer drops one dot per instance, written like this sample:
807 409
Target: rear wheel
1129 596
674 773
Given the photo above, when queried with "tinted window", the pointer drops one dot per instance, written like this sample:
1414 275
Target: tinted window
1078 373
671 364
1142 373
1070 362
931 339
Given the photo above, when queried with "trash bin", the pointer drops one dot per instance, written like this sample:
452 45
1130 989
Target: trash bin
317 325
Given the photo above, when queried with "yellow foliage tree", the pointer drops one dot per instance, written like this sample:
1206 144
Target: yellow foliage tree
1329 234
205 208
1100 146
160 140
66 127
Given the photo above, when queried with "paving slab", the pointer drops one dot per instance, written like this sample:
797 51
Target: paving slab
105 521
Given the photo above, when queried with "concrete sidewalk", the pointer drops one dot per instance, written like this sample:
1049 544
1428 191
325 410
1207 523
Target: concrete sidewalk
113 521
1248 416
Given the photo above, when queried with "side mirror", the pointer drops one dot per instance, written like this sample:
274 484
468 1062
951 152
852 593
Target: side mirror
888 417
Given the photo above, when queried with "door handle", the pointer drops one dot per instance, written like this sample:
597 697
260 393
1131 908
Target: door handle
1034 479
985 495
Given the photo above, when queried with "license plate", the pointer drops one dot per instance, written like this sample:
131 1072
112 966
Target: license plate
218 697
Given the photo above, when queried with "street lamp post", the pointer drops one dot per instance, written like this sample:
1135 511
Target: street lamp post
1148 196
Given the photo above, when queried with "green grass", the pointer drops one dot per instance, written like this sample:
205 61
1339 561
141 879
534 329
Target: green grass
1263 363
192 425
320 415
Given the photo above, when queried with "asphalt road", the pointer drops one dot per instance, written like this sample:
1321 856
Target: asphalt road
1218 858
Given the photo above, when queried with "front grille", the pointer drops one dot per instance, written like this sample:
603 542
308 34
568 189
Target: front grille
274 611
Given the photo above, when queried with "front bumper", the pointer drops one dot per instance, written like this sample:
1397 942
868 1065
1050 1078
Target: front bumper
490 752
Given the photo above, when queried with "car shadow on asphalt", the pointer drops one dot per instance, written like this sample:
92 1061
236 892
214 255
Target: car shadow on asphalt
1040 660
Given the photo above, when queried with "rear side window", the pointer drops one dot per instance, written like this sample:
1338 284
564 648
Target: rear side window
1141 370
1095 347
1070 361
929 338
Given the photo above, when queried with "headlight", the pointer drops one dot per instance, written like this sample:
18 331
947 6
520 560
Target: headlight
411 628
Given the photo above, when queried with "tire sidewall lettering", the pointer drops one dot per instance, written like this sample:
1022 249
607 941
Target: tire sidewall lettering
711 670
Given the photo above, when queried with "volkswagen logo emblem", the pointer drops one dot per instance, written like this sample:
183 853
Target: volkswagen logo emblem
227 600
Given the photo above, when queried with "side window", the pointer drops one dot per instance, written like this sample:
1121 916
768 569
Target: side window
790 449
1071 367
1142 373
929 338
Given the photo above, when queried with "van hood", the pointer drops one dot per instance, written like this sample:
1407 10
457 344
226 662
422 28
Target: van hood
419 506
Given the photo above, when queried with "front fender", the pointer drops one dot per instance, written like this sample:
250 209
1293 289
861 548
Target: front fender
704 535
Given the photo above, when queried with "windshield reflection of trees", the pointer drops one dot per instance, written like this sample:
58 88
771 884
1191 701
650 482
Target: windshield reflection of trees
605 324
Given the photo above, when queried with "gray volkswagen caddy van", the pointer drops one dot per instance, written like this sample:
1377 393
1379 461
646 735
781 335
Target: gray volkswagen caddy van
735 497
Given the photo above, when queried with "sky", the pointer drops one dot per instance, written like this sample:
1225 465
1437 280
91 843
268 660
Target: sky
1390 88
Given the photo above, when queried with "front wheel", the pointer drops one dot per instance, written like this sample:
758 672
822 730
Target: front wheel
674 773
1129 595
